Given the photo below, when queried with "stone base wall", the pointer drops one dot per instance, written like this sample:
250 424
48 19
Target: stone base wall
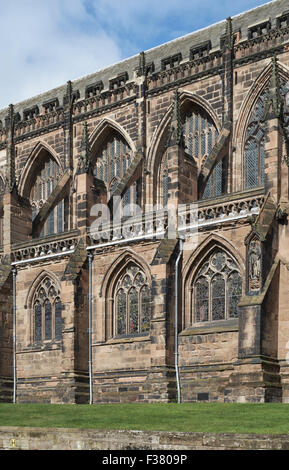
67 388
6 390
17 438
155 385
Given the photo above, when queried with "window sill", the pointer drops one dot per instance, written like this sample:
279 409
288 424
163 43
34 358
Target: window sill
204 328
44 346
127 339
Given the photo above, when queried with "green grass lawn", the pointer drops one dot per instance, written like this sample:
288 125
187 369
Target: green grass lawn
188 417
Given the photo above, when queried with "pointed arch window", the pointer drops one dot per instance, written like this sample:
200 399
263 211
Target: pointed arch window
217 289
112 162
45 182
132 303
47 312
164 183
216 184
255 145
201 134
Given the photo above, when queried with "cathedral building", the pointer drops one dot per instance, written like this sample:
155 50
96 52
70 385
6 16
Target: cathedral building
144 250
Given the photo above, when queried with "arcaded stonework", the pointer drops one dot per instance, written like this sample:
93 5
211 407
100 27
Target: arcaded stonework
195 133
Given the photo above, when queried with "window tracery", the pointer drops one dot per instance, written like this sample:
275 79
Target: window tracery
132 302
47 310
45 182
217 289
255 145
112 162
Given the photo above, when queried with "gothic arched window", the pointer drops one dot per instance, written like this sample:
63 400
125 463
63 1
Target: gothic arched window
132 302
112 162
216 183
200 135
164 182
46 180
47 311
217 289
255 145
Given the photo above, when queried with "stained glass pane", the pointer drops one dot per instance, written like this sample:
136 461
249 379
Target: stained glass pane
45 182
50 223
145 307
133 310
208 192
121 312
210 141
262 162
58 319
197 146
126 203
218 179
38 321
112 161
251 160
48 320
202 300
234 294
219 260
254 148
218 288
166 187
132 301
60 227
218 298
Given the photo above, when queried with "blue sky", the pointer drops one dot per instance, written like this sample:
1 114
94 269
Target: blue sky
45 43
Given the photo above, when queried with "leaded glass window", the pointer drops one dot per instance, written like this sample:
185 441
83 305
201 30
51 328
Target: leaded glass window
217 289
47 310
132 302
200 135
215 185
112 162
45 182
165 181
255 145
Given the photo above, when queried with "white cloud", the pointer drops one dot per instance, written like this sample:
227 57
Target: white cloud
44 44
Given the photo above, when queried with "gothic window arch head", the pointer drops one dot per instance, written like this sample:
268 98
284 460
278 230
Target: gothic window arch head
216 288
200 135
254 165
47 312
46 178
132 303
200 132
113 159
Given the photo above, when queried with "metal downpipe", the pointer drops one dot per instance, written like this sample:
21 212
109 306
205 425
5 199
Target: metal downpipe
176 321
14 275
90 259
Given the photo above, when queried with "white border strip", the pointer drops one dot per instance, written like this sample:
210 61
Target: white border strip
31 260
